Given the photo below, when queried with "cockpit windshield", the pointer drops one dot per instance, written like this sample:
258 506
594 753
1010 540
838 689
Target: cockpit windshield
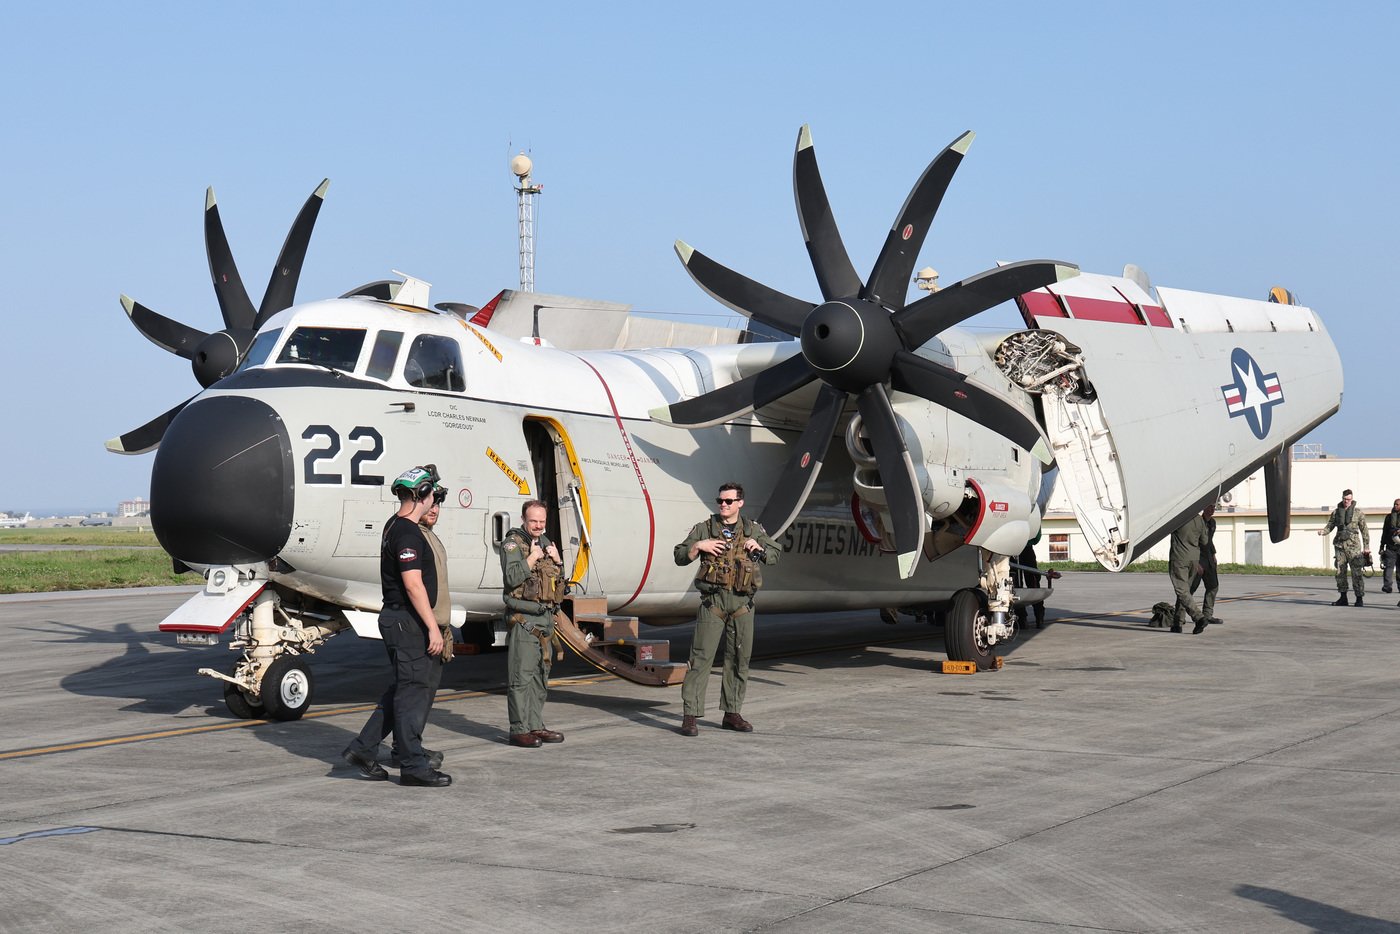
338 348
262 346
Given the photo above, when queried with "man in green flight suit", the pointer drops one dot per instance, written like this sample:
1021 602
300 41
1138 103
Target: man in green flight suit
1188 542
733 548
1352 541
1209 565
534 585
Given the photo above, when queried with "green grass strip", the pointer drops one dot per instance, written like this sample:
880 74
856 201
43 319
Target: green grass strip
94 535
45 571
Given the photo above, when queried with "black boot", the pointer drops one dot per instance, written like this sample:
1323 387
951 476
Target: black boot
1358 601
1341 601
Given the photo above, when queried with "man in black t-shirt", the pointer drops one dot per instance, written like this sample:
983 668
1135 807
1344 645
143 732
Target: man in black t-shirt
408 575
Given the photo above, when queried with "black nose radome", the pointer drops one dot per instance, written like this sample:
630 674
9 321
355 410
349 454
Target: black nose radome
221 487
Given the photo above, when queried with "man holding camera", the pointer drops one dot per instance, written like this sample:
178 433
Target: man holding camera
732 550
533 575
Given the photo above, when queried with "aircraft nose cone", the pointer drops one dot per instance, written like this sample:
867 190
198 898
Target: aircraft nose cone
221 487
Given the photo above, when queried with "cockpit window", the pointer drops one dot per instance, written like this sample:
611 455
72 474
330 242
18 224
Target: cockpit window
338 348
262 346
435 363
385 352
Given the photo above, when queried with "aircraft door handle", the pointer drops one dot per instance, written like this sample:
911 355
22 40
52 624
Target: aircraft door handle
407 406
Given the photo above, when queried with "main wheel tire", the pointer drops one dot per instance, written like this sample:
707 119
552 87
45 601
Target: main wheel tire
241 705
964 636
287 687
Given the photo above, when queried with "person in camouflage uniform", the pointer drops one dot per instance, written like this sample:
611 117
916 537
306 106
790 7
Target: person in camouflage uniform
1349 547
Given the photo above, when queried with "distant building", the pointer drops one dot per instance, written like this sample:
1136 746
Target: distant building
1242 519
133 507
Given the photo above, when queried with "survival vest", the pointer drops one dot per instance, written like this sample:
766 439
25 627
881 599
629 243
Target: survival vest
732 569
545 585
1342 519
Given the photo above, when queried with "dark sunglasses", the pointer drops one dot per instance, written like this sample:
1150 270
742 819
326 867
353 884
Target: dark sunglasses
439 496
725 502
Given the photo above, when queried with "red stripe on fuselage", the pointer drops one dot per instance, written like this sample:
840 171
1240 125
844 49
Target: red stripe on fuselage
641 481
1098 309
1042 304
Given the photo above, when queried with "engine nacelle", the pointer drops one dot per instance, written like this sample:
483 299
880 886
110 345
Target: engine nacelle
1002 516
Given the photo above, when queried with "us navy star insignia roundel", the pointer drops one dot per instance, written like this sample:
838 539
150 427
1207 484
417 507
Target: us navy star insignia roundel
1253 393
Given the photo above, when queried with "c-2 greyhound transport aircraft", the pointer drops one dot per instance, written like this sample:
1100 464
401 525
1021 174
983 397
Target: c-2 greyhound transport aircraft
896 456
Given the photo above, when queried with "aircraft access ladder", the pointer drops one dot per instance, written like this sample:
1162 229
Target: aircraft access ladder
612 643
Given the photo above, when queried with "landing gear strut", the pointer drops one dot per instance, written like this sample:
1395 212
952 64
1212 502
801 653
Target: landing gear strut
273 678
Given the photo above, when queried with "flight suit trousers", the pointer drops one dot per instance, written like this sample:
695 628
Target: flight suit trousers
1211 578
1388 561
408 699
726 616
1181 582
526 671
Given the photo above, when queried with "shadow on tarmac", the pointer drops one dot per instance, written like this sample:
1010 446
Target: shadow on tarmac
1316 916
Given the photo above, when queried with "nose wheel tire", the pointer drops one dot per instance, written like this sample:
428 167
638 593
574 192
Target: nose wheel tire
287 687
241 705
965 635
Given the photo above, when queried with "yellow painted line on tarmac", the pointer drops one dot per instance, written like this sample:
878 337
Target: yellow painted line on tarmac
573 681
244 724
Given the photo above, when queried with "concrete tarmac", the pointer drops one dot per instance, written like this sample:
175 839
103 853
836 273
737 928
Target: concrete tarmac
1111 777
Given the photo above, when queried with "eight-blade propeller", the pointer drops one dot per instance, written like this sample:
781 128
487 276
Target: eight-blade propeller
214 356
861 341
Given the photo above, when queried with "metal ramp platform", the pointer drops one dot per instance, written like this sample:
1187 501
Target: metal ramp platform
612 643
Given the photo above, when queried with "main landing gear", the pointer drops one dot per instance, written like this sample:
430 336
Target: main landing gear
973 630
970 633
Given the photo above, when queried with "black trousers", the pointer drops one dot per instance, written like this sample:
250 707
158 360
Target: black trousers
406 702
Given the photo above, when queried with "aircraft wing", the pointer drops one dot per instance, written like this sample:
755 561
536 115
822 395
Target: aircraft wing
1161 405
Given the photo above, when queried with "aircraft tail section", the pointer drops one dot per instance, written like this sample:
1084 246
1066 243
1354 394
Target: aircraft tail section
1153 407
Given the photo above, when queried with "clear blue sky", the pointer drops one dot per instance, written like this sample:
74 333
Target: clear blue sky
1224 147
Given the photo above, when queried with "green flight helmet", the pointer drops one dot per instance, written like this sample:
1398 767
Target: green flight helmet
418 481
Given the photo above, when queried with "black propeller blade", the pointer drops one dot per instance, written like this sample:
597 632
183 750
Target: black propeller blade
751 299
835 274
944 309
949 388
282 287
905 499
234 303
147 437
861 339
214 355
741 398
179 339
889 280
806 461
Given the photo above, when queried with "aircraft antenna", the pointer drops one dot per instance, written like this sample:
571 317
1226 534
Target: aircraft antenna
525 193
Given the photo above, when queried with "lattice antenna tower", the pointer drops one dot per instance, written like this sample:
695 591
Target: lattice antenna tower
525 193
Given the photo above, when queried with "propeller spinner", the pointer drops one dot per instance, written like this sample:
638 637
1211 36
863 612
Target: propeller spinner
214 356
860 341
